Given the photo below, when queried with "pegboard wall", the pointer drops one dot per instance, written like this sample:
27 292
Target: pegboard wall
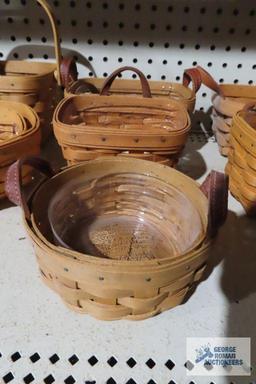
160 37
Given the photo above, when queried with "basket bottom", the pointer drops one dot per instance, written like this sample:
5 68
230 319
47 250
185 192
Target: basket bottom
121 237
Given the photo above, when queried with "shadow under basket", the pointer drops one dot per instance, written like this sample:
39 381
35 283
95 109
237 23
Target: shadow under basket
117 241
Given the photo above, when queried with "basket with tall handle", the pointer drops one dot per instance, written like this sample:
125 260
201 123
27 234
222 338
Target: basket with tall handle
34 83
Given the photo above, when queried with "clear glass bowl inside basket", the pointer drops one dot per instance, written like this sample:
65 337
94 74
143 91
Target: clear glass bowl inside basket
125 216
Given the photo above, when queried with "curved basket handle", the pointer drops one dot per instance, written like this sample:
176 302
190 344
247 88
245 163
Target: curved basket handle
55 32
208 80
68 70
205 78
13 180
144 83
215 188
192 75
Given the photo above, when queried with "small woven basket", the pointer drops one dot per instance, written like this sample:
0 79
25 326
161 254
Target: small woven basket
135 253
241 166
227 101
124 87
34 83
89 126
19 136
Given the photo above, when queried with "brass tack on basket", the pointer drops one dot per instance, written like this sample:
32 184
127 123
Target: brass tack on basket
66 269
148 279
101 278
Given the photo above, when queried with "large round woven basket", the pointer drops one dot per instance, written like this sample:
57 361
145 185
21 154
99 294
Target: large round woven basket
227 101
89 126
19 136
241 166
34 83
126 87
140 269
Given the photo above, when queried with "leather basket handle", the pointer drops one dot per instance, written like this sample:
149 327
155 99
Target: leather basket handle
192 75
215 188
208 80
204 76
144 83
250 107
13 180
68 70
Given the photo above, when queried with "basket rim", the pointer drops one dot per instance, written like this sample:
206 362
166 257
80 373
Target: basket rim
21 108
110 159
83 258
134 138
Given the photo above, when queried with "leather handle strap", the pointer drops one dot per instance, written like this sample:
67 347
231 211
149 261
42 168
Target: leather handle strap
215 188
13 180
251 106
200 76
146 92
68 70
208 80
192 75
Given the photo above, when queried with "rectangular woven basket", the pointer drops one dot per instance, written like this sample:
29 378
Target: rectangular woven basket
91 125
34 83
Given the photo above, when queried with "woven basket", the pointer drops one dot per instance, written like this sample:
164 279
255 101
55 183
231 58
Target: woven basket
241 166
227 101
134 282
19 136
33 83
124 87
89 126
